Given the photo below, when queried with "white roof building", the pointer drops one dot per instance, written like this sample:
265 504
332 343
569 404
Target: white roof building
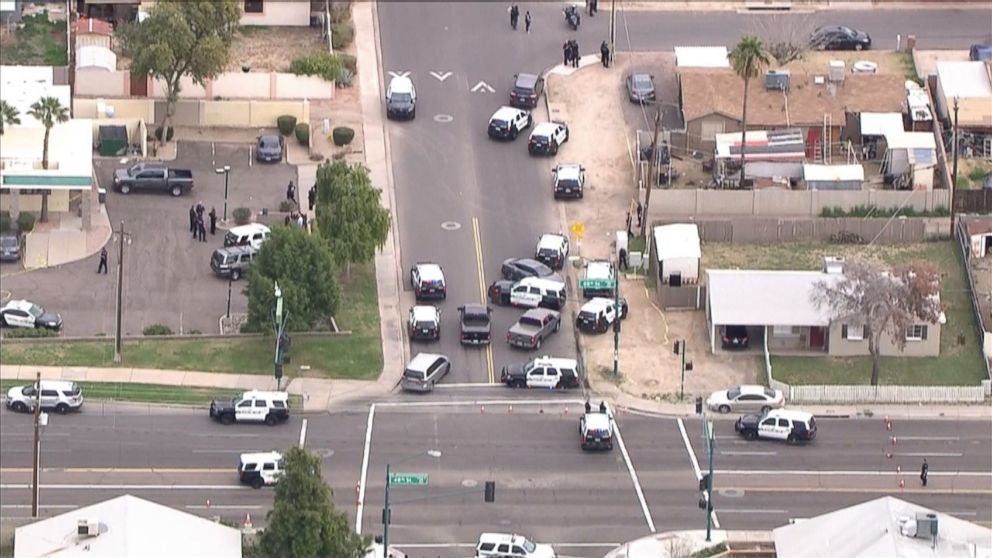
880 123
701 57
883 527
126 527
766 298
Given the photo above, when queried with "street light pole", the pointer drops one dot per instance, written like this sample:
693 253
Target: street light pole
36 449
230 282
385 517
617 311
226 171
119 314
709 482
613 30
280 329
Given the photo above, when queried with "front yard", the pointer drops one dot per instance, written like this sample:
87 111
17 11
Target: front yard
36 41
960 361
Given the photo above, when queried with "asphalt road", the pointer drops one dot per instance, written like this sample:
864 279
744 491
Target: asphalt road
167 277
547 486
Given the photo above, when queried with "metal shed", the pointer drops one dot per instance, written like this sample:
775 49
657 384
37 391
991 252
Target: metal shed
834 177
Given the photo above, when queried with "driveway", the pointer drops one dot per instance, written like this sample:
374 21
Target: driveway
167 277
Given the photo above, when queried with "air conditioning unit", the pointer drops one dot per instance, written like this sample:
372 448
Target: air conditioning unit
833 265
926 525
777 80
87 528
835 70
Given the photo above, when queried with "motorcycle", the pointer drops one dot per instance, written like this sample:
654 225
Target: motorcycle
572 16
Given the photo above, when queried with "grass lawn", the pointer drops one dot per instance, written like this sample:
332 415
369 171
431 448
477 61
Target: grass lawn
960 361
142 393
358 356
38 42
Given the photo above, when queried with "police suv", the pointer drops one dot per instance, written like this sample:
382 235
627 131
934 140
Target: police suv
270 407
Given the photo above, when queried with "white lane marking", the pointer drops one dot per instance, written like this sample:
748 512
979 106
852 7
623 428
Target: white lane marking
43 450
695 463
960 513
931 438
748 453
753 510
633 477
130 486
441 76
224 451
42 506
303 433
851 473
929 454
483 87
223 507
480 402
399 74
463 384
365 470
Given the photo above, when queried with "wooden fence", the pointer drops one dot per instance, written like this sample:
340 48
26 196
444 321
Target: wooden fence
886 394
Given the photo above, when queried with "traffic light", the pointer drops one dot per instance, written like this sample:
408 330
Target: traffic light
490 491
688 366
704 482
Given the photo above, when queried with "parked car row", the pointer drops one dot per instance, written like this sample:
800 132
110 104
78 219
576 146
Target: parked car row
768 416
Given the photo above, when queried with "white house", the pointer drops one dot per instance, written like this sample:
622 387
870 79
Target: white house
678 252
126 527
979 231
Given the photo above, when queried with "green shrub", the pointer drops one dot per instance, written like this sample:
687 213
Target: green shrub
194 332
342 35
978 174
349 62
340 14
25 221
168 134
157 329
344 80
342 135
286 123
5 221
871 211
322 64
241 215
303 134
31 333
286 206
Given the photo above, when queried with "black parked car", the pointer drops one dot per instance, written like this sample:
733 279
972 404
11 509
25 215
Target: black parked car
838 37
734 337
526 91
268 149
10 246
516 269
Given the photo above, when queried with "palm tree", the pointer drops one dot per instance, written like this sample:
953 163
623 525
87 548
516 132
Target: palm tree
49 111
748 58
8 116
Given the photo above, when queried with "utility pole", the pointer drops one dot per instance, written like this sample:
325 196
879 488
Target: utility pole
652 172
679 349
118 326
386 517
226 171
36 449
280 331
954 173
613 30
709 480
616 321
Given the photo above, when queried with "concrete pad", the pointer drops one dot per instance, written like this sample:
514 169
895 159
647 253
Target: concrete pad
65 246
36 250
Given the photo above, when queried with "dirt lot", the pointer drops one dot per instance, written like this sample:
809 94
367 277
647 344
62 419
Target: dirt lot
272 49
599 141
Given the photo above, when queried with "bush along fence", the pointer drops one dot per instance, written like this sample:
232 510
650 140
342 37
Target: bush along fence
816 394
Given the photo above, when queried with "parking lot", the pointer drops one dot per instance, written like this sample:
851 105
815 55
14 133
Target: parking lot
167 277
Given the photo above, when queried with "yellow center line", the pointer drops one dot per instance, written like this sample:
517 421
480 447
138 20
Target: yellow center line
482 292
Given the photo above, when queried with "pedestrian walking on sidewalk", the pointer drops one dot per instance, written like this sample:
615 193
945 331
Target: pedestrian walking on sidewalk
213 220
623 259
629 222
102 268
593 7
192 218
575 53
604 53
924 471
291 192
527 21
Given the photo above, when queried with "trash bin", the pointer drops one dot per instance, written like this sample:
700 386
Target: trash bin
699 405
101 194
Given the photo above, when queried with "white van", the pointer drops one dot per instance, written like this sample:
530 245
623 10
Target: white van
532 292
253 234
260 469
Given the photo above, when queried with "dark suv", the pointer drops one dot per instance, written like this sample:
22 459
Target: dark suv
526 90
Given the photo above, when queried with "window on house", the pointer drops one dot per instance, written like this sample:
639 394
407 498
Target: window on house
254 6
785 331
916 332
854 332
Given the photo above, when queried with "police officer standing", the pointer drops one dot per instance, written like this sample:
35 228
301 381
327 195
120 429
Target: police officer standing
102 268
604 52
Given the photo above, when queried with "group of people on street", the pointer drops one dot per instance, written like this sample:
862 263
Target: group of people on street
297 217
570 50
196 222
515 18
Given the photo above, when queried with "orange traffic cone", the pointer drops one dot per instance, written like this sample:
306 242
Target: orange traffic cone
247 521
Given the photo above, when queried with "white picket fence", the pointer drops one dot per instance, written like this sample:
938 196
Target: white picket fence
887 394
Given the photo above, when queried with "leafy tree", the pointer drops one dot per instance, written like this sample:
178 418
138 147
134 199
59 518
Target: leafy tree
49 111
351 217
181 38
882 302
8 116
303 522
329 178
748 58
304 267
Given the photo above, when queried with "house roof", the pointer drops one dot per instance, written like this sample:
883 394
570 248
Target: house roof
766 298
129 527
702 57
93 25
763 145
680 240
876 528
910 140
964 79
978 225
805 104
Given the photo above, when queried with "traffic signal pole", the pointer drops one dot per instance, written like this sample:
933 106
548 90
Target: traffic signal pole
709 483
616 322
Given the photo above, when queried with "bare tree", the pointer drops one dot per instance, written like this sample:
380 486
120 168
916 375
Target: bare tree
882 301
786 36
679 547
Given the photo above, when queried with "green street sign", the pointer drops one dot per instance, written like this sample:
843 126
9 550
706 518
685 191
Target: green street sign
408 479
597 283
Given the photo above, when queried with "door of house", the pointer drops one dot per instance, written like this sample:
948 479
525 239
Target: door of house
813 151
816 338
